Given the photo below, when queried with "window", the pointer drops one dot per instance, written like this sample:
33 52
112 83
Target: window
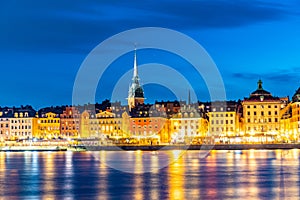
270 120
276 120
254 106
254 112
275 112
269 112
231 121
248 106
269 106
275 106
248 120
248 113
262 113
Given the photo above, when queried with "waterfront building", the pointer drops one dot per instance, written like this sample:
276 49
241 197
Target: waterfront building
261 113
104 124
224 122
285 131
47 126
70 123
21 123
188 126
5 133
149 129
4 128
295 117
136 92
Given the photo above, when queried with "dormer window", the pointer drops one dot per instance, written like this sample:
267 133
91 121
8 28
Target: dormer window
261 98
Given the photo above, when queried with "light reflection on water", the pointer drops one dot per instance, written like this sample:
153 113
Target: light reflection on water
250 174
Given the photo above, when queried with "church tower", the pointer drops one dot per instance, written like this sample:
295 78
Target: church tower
136 92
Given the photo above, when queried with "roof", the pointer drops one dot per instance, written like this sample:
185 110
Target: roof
296 96
261 95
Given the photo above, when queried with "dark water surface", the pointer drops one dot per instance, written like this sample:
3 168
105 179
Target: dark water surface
250 174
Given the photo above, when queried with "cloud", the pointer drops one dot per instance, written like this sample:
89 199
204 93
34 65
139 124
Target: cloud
77 26
280 76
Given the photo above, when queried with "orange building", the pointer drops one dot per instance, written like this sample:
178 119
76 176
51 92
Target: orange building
149 128
70 123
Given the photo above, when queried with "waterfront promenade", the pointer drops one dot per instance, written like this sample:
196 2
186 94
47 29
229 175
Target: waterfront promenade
151 148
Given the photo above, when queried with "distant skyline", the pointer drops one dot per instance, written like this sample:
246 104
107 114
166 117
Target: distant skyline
42 45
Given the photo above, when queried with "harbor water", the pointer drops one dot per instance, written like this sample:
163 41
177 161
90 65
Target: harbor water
174 174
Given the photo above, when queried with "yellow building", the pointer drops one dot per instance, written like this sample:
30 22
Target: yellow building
295 118
261 112
103 124
224 122
187 126
47 126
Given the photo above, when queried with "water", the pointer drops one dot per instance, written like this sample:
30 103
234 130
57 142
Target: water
251 174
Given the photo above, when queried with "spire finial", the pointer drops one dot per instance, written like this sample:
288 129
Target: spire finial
189 97
135 70
259 84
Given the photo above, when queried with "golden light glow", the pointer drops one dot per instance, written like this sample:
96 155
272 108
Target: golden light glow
176 172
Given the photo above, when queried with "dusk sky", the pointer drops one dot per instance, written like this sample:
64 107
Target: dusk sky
43 44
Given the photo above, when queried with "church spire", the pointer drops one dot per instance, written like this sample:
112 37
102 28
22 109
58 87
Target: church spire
135 70
136 92
189 98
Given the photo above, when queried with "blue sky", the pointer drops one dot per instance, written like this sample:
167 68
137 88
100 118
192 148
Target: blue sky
43 43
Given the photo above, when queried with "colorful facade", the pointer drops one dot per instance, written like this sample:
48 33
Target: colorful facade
47 126
5 133
70 123
149 128
104 124
188 126
259 118
261 112
21 124
224 122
